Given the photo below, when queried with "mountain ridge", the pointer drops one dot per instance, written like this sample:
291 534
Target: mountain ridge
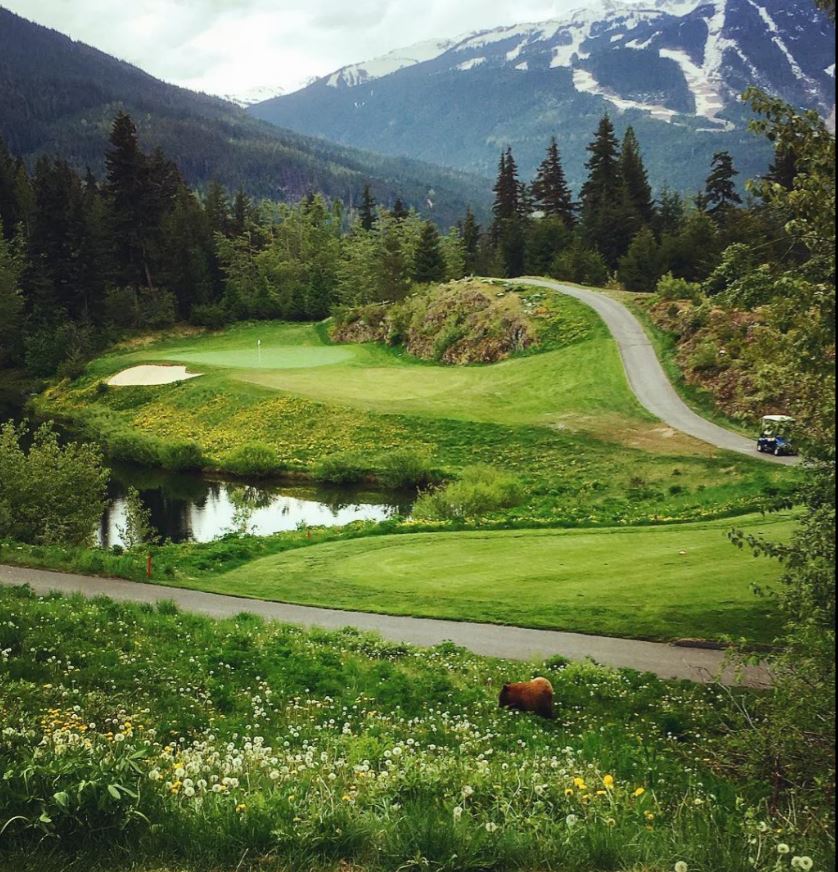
674 68
58 97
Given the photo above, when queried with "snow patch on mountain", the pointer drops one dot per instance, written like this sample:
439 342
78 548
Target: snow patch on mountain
585 82
707 90
253 95
778 41
392 62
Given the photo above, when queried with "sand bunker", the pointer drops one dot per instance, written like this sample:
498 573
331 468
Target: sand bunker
151 375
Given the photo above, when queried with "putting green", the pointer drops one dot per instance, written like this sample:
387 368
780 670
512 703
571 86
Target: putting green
654 582
269 357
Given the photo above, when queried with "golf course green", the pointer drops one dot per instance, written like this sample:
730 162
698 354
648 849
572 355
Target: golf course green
653 583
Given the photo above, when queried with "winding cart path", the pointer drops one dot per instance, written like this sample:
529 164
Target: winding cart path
493 640
646 376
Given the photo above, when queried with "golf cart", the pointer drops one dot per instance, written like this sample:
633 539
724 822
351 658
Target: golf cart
775 435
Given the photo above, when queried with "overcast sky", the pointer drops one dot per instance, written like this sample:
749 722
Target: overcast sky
231 46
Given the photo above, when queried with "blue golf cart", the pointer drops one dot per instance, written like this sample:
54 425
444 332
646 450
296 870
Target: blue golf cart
775 435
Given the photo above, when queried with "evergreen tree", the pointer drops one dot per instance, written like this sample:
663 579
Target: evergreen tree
400 211
10 212
507 229
551 193
635 178
545 239
11 298
217 209
719 195
367 211
670 213
640 266
507 190
608 219
127 189
185 253
429 264
242 213
783 168
392 269
470 232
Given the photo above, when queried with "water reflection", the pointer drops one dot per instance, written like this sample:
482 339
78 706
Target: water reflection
191 507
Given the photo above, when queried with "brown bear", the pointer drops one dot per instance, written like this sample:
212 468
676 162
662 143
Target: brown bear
529 696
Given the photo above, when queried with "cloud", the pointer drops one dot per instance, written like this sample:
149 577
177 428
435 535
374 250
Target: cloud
230 46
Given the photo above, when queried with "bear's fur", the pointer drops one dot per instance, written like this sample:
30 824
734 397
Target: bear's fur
529 696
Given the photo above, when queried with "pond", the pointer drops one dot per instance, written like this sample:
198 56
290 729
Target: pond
193 507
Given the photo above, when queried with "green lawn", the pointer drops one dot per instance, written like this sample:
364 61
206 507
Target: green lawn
581 386
658 583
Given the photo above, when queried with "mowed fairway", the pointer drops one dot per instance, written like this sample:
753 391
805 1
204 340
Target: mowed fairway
581 386
655 583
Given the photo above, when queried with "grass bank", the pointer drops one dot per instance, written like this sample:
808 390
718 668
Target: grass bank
142 738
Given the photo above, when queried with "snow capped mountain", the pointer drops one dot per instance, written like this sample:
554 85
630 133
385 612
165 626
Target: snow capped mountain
674 69
253 95
707 40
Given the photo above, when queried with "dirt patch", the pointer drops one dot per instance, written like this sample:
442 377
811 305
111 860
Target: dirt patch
147 374
654 438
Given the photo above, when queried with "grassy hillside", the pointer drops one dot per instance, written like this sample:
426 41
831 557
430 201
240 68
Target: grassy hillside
564 421
60 97
658 583
139 739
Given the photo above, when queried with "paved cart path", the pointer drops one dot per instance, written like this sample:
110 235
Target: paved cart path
494 640
647 378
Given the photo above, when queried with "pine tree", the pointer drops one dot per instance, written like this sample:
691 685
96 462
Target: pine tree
670 213
217 209
640 266
635 178
429 264
128 192
470 232
392 268
367 211
400 211
719 195
608 219
551 193
507 189
9 207
242 213
11 298
508 227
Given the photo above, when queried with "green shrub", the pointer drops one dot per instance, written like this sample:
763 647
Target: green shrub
671 288
407 469
705 358
345 467
49 493
479 491
255 459
181 456
134 448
